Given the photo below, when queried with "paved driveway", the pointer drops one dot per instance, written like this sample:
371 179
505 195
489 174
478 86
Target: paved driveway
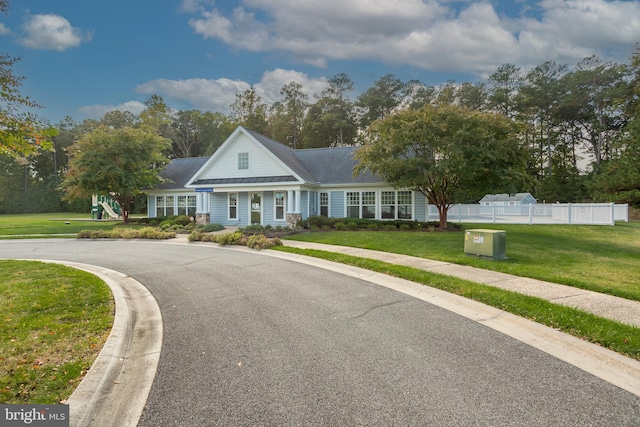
255 340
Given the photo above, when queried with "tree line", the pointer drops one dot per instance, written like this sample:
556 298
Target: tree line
578 129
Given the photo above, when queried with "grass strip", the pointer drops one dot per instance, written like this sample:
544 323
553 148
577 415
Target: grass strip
55 320
597 258
610 334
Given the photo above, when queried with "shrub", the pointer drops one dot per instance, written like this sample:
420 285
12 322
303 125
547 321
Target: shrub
152 233
352 225
260 241
227 238
341 226
182 220
318 221
389 227
207 228
126 233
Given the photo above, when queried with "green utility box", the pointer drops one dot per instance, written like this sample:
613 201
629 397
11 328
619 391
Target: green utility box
486 243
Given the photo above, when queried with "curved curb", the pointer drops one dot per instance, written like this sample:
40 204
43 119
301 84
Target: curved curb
115 390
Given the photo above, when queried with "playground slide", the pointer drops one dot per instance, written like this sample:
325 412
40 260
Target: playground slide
109 210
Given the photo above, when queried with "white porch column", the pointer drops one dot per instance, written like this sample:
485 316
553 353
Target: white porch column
298 197
199 202
290 201
202 208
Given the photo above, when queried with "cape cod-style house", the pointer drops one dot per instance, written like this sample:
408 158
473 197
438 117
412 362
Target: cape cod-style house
252 179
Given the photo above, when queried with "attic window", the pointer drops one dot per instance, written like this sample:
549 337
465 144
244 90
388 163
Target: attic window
243 161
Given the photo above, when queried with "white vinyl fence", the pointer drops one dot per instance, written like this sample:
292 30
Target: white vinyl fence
537 213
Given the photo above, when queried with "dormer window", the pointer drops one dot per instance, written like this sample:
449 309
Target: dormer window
243 161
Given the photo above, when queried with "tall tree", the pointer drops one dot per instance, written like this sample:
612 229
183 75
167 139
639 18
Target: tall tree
618 179
185 134
250 111
543 92
326 126
595 93
214 129
118 162
472 96
338 108
448 153
156 116
381 99
22 133
420 95
119 119
295 105
504 85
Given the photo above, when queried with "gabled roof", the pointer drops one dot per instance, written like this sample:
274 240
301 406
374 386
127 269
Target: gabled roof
315 166
286 156
334 165
179 171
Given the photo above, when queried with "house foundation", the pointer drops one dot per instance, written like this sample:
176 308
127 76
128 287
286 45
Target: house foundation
293 219
203 218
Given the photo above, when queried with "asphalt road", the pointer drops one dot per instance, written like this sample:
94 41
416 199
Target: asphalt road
255 340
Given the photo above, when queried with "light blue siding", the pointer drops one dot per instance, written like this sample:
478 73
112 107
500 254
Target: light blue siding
420 207
151 206
218 208
243 209
313 204
304 203
336 204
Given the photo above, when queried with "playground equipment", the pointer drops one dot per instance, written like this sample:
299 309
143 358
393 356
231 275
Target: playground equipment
100 204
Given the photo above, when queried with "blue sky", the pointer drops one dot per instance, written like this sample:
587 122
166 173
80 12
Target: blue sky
84 58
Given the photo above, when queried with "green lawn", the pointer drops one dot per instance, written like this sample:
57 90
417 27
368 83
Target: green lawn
55 320
12 226
600 258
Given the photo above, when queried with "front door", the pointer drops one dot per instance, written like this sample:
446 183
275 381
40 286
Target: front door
256 208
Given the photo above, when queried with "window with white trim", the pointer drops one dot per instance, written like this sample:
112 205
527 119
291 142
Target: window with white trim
233 205
191 205
243 161
388 204
324 204
353 204
405 205
368 204
279 206
159 206
169 207
187 205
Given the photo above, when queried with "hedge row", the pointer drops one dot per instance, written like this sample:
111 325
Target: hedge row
316 223
127 233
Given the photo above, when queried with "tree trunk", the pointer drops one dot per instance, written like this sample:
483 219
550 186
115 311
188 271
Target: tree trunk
442 214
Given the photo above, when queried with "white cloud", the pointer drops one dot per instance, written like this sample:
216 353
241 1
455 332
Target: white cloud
430 34
218 95
3 29
98 111
196 5
51 32
200 94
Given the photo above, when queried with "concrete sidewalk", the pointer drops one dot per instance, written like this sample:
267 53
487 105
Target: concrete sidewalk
607 306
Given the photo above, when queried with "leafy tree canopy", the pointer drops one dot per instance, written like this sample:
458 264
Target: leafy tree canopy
119 162
448 153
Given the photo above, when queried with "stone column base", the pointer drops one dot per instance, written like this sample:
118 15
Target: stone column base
293 219
203 218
